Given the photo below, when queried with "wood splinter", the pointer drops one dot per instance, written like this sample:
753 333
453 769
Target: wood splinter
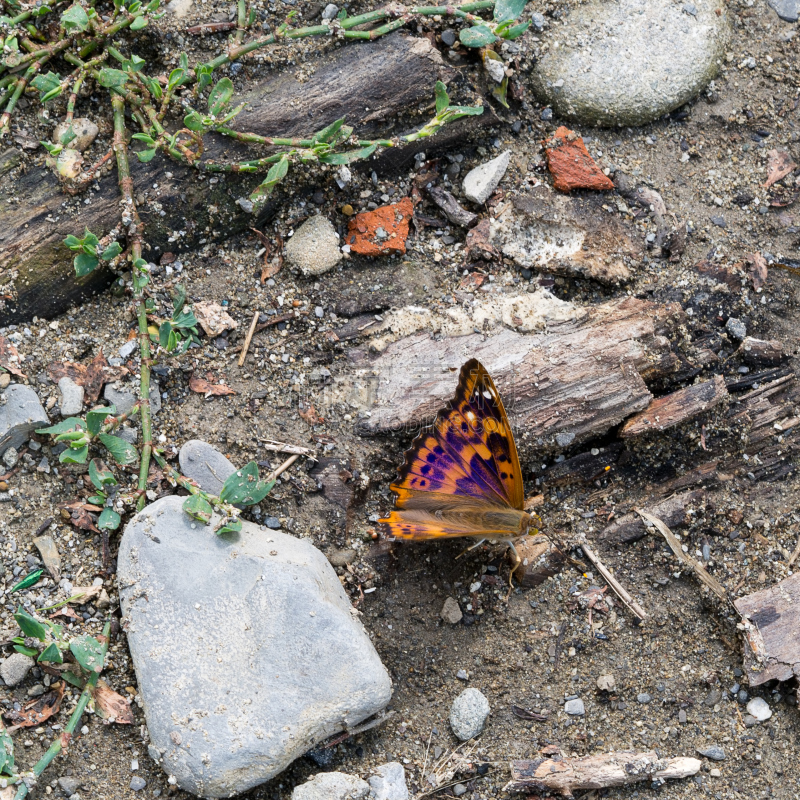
568 775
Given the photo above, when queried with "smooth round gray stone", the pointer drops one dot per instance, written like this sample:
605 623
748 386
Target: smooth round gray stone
69 785
736 328
14 669
71 397
246 649
332 786
124 398
314 248
204 464
629 62
787 10
468 714
389 782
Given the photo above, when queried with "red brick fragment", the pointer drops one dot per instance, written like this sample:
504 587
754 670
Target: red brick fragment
571 165
363 229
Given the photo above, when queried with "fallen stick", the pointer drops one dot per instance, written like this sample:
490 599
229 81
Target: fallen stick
248 339
282 447
596 772
618 588
283 467
700 571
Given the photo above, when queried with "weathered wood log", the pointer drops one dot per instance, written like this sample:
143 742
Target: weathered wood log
678 407
366 83
574 381
567 775
762 352
675 511
772 649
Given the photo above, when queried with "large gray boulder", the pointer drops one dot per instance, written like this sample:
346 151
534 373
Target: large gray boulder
628 62
246 648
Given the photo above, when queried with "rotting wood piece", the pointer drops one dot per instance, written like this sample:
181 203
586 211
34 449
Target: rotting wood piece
675 511
567 775
540 559
772 648
762 352
582 468
678 407
387 76
574 381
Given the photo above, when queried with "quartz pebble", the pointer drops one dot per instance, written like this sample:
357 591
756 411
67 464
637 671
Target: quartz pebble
759 709
480 182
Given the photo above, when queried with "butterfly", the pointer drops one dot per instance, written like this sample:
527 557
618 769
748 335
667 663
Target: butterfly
462 476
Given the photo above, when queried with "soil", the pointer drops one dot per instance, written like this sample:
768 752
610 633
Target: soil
530 648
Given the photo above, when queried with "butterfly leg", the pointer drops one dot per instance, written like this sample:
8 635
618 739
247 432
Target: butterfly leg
517 562
472 547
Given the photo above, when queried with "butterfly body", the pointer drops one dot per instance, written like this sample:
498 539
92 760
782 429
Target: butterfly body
462 477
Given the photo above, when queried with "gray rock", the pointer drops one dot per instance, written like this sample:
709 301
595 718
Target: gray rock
759 709
713 752
314 248
736 328
11 457
479 183
129 348
276 660
340 558
451 611
449 37
462 675
787 10
330 11
332 786
389 783
124 399
83 130
575 707
201 462
643 698
21 413
468 714
565 438
459 789
14 669
712 698
71 397
137 783
537 20
627 63
69 785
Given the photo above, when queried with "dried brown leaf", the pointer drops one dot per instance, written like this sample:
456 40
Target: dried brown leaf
38 710
9 358
110 705
524 713
758 270
202 386
779 165
91 377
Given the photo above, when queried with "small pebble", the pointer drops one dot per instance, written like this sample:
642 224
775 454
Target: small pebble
137 783
643 698
713 752
759 709
468 714
575 707
462 675
736 328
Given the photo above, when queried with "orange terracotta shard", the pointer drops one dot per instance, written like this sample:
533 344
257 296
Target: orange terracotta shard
382 231
571 165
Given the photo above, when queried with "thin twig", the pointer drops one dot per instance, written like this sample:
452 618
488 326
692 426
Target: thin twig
700 571
618 588
248 338
283 467
282 447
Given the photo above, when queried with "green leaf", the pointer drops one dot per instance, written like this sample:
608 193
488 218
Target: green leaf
121 451
233 525
350 156
77 456
45 84
193 121
94 421
276 173
71 677
30 626
477 36
175 79
84 264
198 508
109 520
220 96
97 499
146 155
143 137
442 98
507 10
88 653
138 23
243 487
203 72
75 19
186 319
52 654
456 112
516 30
112 78
499 92
99 474
178 300
328 133
6 753
26 651
164 330
183 59
68 424
134 63
28 581
111 252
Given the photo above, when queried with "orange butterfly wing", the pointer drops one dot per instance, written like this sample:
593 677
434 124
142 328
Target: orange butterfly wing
462 477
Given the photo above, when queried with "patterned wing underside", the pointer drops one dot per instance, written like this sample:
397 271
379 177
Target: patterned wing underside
469 452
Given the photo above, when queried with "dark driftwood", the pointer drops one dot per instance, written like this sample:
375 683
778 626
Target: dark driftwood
680 406
367 83
573 382
674 511
567 775
772 649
